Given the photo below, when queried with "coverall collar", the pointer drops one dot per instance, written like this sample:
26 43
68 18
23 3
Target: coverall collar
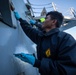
50 32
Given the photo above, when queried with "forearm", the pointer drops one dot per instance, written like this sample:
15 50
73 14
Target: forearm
47 66
37 63
32 33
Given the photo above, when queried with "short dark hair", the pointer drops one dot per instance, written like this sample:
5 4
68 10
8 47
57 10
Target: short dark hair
56 15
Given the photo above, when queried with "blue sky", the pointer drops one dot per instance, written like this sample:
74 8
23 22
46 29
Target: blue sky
61 5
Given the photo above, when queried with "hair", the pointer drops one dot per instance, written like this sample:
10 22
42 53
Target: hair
56 15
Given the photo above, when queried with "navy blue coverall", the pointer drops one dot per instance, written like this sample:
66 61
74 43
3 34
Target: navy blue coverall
56 50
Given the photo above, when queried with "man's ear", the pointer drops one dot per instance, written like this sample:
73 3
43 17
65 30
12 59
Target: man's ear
54 21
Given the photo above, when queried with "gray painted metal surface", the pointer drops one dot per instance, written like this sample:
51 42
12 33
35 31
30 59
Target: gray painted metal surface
15 41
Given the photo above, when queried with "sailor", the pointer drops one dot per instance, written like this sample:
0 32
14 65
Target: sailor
56 50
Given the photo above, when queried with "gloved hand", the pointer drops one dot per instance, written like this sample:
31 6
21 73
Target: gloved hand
26 58
32 22
17 15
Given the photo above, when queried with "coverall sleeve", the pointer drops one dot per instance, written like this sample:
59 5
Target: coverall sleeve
65 64
32 33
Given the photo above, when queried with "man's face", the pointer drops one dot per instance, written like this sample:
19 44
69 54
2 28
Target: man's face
48 22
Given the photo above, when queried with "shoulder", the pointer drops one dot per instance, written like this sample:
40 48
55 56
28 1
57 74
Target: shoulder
65 36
